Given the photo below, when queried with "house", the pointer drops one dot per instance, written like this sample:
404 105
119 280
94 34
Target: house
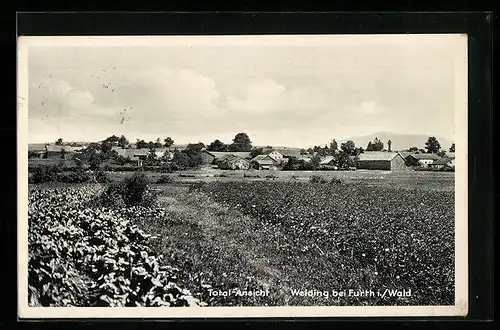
274 154
264 162
381 160
443 162
421 159
51 151
211 157
327 160
232 162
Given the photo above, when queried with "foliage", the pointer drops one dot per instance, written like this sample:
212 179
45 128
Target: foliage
333 146
59 142
168 142
317 179
452 148
217 145
256 151
432 145
92 256
348 147
45 173
241 142
376 145
165 179
123 142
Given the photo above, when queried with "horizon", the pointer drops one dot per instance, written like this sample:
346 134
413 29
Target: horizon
299 94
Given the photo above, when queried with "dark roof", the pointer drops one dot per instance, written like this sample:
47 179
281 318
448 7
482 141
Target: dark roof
424 156
442 161
264 160
219 154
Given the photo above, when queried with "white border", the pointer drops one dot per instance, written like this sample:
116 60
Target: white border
461 179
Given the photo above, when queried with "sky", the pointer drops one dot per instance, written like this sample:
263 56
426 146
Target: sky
296 91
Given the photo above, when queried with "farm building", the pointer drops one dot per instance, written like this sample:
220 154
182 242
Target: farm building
211 157
139 155
232 162
278 157
421 159
443 162
264 162
381 160
51 151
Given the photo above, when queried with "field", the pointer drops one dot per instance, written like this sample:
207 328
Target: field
374 231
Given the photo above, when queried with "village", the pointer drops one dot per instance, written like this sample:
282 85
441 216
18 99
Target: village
180 157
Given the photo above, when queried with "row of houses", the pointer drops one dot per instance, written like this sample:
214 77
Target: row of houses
270 159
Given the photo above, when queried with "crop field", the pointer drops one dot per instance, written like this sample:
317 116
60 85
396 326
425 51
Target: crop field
80 255
367 233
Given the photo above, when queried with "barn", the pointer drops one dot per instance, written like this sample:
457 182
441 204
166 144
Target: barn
264 162
210 157
381 160
232 162
421 159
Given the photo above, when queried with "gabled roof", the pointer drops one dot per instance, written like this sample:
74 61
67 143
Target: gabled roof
422 156
219 154
442 161
325 160
377 155
264 160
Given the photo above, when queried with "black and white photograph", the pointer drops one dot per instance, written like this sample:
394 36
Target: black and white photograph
242 176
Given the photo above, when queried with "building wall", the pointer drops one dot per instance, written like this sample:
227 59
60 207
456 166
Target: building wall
207 158
426 162
398 164
374 165
276 156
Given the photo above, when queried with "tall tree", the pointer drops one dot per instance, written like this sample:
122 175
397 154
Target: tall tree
59 142
216 145
432 145
389 144
122 142
333 146
241 142
412 149
168 142
377 145
141 144
256 151
369 147
348 147
452 148
158 143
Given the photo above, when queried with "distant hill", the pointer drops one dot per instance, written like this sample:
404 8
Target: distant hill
399 141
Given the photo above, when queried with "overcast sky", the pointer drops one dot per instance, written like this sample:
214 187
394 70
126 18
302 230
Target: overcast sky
291 93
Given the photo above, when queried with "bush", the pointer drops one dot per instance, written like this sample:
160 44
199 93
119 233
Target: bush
165 179
317 179
44 173
102 177
131 191
73 177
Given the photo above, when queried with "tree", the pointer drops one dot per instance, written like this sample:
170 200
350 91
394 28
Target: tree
377 145
168 142
122 142
59 142
241 142
63 153
369 147
195 147
432 145
303 151
348 147
157 143
412 149
310 151
452 148
113 139
106 146
389 144
315 162
216 145
256 151
333 146
141 144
